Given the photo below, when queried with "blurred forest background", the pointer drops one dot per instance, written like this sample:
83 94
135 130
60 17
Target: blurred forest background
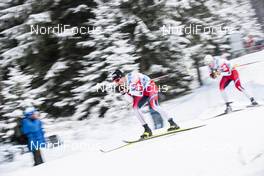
59 73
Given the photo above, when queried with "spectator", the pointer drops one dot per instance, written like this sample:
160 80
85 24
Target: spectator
32 128
250 43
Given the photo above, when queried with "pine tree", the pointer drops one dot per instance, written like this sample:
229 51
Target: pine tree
259 6
17 94
113 49
215 19
237 14
48 61
62 55
159 54
196 18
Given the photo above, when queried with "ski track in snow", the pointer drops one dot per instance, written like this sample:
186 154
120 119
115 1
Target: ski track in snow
230 145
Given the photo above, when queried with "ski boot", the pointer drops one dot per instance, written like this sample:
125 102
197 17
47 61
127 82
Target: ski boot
228 108
173 125
147 133
253 102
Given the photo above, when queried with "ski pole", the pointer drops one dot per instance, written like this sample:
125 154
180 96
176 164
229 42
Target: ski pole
160 77
241 65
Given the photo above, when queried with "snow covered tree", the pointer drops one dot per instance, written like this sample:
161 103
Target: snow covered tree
195 18
215 20
113 49
16 42
237 14
41 60
17 94
61 55
259 6
159 54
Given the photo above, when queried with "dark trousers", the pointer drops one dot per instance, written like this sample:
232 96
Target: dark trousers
37 157
156 117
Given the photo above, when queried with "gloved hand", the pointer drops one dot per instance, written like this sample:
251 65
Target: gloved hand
214 74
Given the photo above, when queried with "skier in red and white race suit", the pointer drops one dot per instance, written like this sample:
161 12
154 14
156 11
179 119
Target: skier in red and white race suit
221 66
142 89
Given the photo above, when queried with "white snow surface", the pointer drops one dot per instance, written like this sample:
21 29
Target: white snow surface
230 145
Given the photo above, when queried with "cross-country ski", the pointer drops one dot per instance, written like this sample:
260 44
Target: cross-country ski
129 142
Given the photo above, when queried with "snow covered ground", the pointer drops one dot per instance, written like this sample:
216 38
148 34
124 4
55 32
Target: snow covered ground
229 145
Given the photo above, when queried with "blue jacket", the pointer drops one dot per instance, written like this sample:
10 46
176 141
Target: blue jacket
32 128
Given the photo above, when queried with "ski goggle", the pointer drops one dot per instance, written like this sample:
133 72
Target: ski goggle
116 80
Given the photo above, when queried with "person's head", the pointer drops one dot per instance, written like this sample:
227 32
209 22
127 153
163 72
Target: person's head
208 59
118 77
31 112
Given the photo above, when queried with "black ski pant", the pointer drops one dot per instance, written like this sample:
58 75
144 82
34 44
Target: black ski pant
37 157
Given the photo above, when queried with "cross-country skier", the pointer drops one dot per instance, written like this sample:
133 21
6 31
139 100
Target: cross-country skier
221 67
142 89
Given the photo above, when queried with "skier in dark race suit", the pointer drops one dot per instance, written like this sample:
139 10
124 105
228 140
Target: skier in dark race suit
142 89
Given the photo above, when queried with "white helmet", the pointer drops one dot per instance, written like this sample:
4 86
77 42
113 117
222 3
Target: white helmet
29 111
208 59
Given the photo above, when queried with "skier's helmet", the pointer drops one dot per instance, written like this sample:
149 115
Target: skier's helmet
208 59
29 111
117 75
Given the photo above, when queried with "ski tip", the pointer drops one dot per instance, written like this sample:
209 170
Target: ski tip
101 150
129 142
126 141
